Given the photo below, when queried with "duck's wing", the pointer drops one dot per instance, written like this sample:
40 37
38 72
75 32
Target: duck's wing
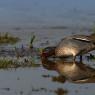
90 38
83 38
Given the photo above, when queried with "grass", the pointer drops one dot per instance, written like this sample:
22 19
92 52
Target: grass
8 39
6 63
92 36
93 28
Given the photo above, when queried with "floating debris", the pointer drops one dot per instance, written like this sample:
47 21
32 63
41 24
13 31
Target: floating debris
17 28
59 79
61 91
46 76
7 89
21 92
58 27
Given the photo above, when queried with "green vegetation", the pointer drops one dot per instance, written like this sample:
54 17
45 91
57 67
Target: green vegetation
6 63
31 41
93 28
92 36
91 57
7 39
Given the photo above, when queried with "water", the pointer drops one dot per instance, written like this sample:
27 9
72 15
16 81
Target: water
35 13
49 21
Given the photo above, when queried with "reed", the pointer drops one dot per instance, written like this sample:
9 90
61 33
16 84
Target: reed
31 41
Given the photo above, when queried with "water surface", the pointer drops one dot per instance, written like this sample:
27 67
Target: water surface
49 21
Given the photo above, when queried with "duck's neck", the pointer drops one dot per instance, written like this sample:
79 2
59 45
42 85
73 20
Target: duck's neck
51 52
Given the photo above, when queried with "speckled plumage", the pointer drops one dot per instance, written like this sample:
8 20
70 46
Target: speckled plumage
74 45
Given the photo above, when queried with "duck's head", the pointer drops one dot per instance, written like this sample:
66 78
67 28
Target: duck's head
48 51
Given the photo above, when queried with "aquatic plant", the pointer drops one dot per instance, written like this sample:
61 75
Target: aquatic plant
92 36
31 41
59 79
5 63
33 63
61 91
7 39
90 57
15 63
93 28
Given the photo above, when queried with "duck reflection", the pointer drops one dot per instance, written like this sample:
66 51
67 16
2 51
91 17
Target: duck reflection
71 71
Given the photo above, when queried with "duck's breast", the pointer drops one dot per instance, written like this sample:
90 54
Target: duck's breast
67 48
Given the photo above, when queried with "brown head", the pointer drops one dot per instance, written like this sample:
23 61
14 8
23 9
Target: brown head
48 51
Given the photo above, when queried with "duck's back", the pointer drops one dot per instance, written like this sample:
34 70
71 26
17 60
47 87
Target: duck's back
72 46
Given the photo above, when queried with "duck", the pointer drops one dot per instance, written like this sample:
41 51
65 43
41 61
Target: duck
71 71
74 45
75 72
